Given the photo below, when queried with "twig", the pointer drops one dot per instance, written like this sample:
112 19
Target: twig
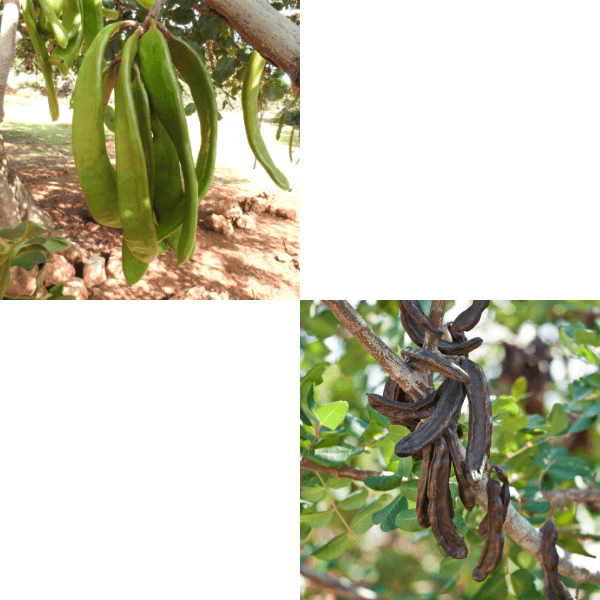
343 471
388 360
337 510
345 590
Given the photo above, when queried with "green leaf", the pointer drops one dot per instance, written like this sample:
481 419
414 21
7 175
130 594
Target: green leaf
355 500
405 465
383 483
273 92
592 411
514 423
565 338
559 419
409 489
189 109
304 531
330 456
312 494
524 585
386 517
587 337
407 520
28 260
332 414
519 387
315 373
317 519
449 566
505 404
363 519
461 524
224 69
381 419
332 549
355 427
537 506
579 425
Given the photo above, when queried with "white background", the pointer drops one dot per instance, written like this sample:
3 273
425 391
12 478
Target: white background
463 136
146 450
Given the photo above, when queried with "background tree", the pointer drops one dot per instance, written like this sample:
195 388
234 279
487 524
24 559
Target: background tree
541 360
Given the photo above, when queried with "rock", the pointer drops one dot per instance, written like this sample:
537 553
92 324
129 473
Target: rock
114 267
75 254
270 209
59 269
286 213
245 222
266 195
229 208
91 226
219 224
22 281
76 287
254 205
285 257
214 296
195 293
93 271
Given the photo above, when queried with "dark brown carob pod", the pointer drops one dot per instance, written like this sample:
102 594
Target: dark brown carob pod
465 490
503 492
422 497
470 317
417 335
440 510
452 395
424 360
391 408
554 588
494 540
396 414
480 422
413 308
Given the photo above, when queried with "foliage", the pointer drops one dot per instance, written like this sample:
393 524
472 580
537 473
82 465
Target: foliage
24 246
366 530
226 53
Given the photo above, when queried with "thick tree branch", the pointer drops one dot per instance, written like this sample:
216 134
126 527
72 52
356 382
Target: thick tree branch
274 36
345 590
408 380
572 496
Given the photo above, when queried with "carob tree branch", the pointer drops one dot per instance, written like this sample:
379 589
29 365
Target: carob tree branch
576 566
411 383
269 32
572 496
352 592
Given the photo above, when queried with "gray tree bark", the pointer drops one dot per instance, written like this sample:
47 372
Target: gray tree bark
16 204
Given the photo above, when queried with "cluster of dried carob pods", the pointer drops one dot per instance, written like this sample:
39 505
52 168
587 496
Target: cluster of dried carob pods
435 433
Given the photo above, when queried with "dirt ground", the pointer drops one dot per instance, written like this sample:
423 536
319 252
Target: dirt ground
240 267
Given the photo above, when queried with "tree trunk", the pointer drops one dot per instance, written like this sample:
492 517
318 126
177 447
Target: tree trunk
16 204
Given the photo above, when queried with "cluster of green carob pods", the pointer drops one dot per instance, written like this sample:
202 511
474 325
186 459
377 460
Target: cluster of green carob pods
144 194
67 25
